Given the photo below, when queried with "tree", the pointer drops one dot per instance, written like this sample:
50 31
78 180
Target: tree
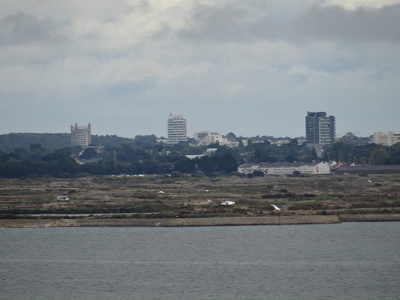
231 137
379 157
89 153
35 146
289 158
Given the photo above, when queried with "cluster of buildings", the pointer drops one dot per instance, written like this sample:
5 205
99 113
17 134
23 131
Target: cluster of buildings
320 133
320 130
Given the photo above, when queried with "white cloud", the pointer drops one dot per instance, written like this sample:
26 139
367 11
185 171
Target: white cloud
355 4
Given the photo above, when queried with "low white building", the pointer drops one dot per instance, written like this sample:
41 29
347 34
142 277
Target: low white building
286 168
384 139
205 138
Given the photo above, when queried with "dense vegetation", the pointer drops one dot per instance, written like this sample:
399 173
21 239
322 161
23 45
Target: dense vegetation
52 140
143 155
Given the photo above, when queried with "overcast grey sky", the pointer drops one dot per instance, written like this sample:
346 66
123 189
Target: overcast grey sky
251 67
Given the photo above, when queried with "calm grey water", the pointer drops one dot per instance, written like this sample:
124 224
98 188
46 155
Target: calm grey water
341 261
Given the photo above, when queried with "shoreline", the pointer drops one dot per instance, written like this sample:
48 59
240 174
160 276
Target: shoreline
193 222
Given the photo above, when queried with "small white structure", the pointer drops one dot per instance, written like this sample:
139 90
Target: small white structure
62 198
275 207
285 168
228 203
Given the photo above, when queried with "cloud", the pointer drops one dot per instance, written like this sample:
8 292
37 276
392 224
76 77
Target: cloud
251 67
128 88
22 28
356 4
358 25
230 22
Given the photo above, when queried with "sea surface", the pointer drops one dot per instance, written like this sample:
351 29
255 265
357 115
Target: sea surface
338 261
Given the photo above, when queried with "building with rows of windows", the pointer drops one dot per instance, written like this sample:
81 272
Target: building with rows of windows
320 128
81 135
176 129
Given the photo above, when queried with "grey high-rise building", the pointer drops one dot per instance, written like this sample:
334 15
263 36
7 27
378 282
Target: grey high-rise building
176 129
81 135
320 128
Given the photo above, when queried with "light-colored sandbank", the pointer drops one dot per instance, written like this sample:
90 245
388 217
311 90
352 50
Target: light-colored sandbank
186 222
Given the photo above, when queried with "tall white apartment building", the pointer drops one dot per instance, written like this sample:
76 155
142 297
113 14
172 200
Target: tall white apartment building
176 129
384 139
81 135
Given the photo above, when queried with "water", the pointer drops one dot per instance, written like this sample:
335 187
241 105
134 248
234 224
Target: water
341 261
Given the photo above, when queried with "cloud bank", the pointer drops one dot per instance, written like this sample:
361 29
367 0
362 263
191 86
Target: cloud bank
253 67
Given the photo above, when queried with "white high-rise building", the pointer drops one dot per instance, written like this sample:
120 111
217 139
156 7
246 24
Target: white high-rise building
176 129
81 135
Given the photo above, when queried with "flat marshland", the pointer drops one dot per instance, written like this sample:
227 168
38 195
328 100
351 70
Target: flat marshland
146 197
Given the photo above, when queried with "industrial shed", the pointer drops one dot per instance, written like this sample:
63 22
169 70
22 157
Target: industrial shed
369 169
286 168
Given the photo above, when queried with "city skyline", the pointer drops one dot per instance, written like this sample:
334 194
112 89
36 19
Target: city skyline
252 68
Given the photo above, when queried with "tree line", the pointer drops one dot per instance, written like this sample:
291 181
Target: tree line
52 140
143 155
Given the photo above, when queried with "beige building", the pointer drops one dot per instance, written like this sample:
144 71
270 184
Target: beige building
384 139
81 135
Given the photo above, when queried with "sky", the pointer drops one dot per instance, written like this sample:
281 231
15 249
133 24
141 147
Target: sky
251 67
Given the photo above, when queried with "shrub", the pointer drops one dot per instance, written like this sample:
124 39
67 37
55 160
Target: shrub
215 174
176 174
308 206
272 196
167 181
258 173
309 195
296 174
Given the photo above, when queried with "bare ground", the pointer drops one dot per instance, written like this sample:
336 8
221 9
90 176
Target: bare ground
200 197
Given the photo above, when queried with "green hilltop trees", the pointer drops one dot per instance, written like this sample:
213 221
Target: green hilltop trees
143 155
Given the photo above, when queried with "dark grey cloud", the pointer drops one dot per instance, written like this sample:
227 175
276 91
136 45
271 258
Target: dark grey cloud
125 65
22 28
362 24
239 24
230 23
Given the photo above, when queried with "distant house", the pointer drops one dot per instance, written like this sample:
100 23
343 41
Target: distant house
208 152
285 168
